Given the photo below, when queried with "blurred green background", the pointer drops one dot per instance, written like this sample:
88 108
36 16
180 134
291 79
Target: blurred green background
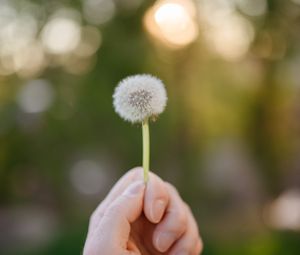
229 139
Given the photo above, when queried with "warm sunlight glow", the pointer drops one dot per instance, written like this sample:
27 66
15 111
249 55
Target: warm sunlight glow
227 33
172 22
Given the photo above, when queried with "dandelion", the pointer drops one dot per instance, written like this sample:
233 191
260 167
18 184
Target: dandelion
138 99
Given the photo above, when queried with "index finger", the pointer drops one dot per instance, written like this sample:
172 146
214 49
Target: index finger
131 176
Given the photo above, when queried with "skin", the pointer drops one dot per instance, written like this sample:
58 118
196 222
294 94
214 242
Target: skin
137 219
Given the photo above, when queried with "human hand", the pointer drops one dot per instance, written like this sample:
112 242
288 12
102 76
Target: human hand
137 219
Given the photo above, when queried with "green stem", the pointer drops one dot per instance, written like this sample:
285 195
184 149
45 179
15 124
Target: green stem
146 149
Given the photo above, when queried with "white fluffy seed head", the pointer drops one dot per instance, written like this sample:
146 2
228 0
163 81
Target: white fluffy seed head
139 97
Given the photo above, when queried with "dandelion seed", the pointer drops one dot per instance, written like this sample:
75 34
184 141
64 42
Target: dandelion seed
137 99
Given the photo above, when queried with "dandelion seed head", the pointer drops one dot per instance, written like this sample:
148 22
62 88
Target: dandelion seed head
139 97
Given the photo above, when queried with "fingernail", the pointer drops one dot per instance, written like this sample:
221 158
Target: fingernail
157 210
164 241
134 189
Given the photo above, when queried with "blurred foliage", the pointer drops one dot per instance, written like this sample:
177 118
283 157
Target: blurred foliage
229 139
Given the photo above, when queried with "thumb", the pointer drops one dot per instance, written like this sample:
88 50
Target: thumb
123 211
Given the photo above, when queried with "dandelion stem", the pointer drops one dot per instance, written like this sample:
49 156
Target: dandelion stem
146 149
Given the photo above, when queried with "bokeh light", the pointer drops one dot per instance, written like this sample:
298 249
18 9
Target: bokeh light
227 33
88 177
61 35
17 35
90 42
30 61
231 38
252 7
296 1
35 96
228 141
172 22
27 227
98 12
284 212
